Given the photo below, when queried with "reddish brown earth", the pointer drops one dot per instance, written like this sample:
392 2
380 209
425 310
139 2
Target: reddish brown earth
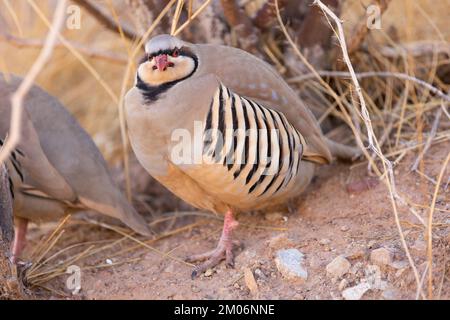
326 222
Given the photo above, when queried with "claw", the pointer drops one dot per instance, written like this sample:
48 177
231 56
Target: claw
224 250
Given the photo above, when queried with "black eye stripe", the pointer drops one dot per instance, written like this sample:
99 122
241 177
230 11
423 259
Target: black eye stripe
183 51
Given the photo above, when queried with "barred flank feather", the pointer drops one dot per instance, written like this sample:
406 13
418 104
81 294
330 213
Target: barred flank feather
256 144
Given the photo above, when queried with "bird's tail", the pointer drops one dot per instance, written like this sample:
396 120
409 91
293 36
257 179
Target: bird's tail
123 211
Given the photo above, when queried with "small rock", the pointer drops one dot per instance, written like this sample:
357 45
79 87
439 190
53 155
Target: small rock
356 292
338 267
373 277
399 264
289 263
390 294
298 296
345 228
381 257
324 241
259 274
170 268
208 273
342 284
250 281
371 244
419 246
109 261
195 289
356 268
273 216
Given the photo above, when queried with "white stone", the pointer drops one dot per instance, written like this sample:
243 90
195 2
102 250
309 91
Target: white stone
356 292
290 262
381 257
399 264
390 294
342 284
324 241
338 267
208 273
274 216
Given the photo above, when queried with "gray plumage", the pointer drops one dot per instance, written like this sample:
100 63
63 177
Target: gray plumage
63 171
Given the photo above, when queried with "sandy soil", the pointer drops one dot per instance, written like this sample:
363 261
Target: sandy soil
327 221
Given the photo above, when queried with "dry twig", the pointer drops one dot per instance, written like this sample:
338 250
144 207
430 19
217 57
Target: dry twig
27 82
106 20
373 142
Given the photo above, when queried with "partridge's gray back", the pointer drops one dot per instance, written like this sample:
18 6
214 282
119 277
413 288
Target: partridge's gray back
69 150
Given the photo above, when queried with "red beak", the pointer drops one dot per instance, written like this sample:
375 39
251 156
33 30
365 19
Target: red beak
161 62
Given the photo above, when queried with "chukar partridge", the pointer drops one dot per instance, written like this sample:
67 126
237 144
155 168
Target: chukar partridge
221 130
57 169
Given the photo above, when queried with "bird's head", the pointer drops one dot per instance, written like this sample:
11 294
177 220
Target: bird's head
167 59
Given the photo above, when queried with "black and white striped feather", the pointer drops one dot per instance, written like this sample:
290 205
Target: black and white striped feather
256 144
14 160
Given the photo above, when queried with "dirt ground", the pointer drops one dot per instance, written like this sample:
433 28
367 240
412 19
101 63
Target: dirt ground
326 222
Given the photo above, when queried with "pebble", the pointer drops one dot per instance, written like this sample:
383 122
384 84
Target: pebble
345 228
399 264
419 246
250 281
259 274
390 294
290 262
338 267
373 277
195 289
273 216
381 257
208 273
342 284
324 241
356 292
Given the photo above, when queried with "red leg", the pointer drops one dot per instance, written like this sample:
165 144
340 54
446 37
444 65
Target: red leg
224 249
20 238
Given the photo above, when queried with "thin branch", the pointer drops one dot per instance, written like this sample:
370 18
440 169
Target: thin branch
361 29
373 142
105 20
382 74
26 84
86 50
429 140
430 228
416 49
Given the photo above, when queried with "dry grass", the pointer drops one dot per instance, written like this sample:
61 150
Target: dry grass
394 115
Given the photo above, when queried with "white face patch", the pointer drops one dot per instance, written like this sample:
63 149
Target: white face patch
182 67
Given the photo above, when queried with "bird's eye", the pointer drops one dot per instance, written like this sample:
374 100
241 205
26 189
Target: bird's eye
175 53
150 57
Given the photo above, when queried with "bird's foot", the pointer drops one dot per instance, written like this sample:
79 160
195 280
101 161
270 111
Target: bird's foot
20 239
223 251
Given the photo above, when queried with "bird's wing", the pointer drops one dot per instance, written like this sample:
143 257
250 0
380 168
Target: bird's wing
34 161
251 77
